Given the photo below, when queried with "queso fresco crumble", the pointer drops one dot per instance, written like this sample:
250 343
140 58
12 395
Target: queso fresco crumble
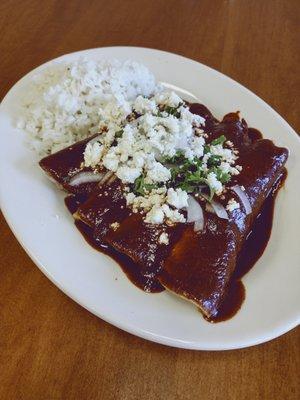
159 152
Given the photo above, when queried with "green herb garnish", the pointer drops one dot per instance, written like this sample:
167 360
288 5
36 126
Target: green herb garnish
191 175
139 186
220 140
214 161
119 133
170 110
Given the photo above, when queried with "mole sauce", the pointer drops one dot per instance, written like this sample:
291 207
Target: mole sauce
251 251
130 268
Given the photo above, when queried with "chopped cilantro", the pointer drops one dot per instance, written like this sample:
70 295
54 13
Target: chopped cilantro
206 149
189 175
140 186
223 177
172 110
176 159
119 133
150 186
220 140
186 186
214 161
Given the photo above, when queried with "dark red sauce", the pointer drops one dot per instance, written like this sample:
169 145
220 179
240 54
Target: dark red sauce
251 251
130 268
253 246
232 303
259 236
73 202
254 134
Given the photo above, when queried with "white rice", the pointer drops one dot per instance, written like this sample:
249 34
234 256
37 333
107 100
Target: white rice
63 105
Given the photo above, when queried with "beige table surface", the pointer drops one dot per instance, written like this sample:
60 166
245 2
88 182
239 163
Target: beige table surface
50 347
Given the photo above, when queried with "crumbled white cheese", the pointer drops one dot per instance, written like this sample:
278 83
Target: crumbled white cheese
136 146
156 197
130 198
200 132
139 145
158 173
168 98
115 225
226 154
205 159
112 114
229 143
177 198
197 146
128 174
232 205
163 238
108 137
155 215
111 161
138 159
92 154
214 183
235 170
194 119
227 168
142 105
170 123
173 216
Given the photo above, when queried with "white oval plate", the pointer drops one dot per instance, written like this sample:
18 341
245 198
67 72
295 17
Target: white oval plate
35 211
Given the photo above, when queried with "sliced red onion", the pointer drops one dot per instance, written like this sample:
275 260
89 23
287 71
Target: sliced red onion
219 209
243 197
85 177
195 214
